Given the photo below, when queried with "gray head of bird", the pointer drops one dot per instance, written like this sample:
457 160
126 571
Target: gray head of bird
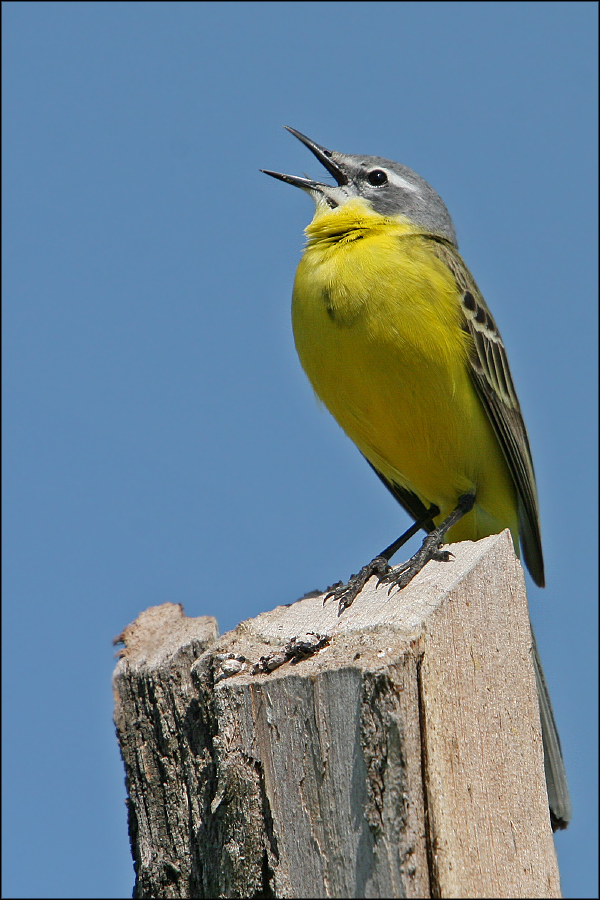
390 188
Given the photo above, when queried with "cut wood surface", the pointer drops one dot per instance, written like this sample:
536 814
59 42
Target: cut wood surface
403 758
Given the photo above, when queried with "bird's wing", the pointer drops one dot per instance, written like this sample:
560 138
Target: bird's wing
492 379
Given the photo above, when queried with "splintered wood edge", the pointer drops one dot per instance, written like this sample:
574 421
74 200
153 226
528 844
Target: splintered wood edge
161 631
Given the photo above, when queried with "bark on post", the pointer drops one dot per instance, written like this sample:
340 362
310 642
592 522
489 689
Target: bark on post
403 758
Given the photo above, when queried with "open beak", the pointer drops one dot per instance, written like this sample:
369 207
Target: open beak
324 156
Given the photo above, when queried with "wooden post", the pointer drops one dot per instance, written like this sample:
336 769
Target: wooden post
403 758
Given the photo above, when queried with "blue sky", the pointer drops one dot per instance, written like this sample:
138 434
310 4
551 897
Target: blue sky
160 440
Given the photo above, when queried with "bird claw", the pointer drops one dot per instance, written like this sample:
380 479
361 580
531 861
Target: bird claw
331 591
443 556
400 576
347 593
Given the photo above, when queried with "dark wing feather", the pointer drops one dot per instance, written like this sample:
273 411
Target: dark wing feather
492 379
407 500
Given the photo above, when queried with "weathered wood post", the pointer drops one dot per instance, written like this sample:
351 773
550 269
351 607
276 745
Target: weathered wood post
392 752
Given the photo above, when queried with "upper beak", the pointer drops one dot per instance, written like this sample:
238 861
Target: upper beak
324 156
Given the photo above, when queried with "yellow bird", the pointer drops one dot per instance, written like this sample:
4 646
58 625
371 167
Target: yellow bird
400 346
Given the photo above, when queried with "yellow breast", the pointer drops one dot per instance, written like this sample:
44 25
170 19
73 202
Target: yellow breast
376 318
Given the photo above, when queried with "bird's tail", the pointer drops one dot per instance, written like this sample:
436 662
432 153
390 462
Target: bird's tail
559 800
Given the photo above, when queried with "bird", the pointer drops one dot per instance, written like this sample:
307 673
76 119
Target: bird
400 346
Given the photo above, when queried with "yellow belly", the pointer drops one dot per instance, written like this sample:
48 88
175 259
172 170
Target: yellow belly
376 325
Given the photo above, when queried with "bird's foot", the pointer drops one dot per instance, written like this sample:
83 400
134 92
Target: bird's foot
346 594
400 576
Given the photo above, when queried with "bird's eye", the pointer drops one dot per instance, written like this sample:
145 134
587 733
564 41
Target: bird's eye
377 177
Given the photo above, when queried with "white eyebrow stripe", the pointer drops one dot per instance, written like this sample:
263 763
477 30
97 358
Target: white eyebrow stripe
401 182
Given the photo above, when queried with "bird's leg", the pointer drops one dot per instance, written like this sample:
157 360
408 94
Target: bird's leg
346 594
430 548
